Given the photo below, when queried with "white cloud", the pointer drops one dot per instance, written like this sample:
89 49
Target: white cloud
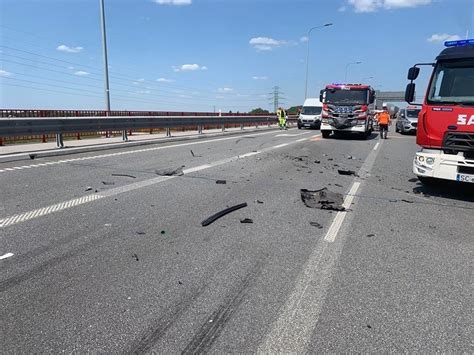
189 67
304 39
374 5
4 73
266 43
259 77
436 38
81 73
164 80
225 90
342 9
141 80
70 68
67 49
173 2
143 92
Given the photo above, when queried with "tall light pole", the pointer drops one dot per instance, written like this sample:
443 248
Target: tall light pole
347 67
307 56
104 50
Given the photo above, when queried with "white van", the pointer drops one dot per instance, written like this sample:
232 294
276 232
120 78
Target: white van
310 115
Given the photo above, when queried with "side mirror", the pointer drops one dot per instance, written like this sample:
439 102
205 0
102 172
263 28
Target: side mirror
413 73
410 93
321 95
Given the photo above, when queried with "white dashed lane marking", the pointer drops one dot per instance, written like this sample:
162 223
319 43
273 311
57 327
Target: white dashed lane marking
23 217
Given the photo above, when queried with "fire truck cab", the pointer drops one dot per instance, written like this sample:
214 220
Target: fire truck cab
347 108
445 129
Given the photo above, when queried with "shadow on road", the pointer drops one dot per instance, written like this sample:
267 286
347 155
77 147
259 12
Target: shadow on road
353 136
447 189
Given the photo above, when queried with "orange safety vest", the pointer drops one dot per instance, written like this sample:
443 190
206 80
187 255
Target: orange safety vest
384 118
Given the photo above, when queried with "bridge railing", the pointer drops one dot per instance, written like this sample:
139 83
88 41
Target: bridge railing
59 127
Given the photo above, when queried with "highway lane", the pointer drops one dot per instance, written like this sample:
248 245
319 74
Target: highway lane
135 271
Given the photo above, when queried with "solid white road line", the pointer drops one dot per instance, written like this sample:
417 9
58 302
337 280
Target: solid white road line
23 217
302 139
376 146
292 331
337 222
290 135
7 255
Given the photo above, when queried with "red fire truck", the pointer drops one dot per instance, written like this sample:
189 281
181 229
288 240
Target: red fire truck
446 121
347 108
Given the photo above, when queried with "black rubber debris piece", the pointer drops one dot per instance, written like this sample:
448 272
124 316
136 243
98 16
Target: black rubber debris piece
369 326
349 157
108 183
170 171
246 220
221 182
194 155
337 185
370 235
163 232
323 199
317 161
222 213
406 201
125 175
88 188
135 256
141 233
33 156
346 172
180 282
316 224
330 159
392 200
413 180
258 201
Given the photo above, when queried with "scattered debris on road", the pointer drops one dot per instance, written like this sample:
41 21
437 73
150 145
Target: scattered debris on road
125 175
141 233
222 213
258 201
88 188
246 220
346 172
323 199
163 232
317 161
370 235
406 201
171 171
108 183
194 155
349 157
316 224
33 156
221 182
135 256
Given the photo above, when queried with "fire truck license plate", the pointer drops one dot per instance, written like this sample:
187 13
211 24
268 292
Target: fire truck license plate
465 178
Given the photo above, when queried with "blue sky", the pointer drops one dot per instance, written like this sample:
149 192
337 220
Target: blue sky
194 55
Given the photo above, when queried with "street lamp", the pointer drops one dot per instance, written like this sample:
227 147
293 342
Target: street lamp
307 56
104 51
347 67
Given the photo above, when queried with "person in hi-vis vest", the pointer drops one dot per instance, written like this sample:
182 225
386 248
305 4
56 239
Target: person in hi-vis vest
281 118
383 119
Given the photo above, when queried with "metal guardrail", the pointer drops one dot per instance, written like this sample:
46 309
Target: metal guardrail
60 125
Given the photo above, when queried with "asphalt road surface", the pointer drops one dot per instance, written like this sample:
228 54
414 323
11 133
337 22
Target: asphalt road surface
100 252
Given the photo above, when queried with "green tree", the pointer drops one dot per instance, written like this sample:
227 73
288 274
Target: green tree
259 111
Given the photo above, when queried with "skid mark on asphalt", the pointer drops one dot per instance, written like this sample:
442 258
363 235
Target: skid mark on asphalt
101 156
23 217
291 332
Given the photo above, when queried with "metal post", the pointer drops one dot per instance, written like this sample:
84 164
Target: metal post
241 126
125 135
307 57
200 129
168 132
59 140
